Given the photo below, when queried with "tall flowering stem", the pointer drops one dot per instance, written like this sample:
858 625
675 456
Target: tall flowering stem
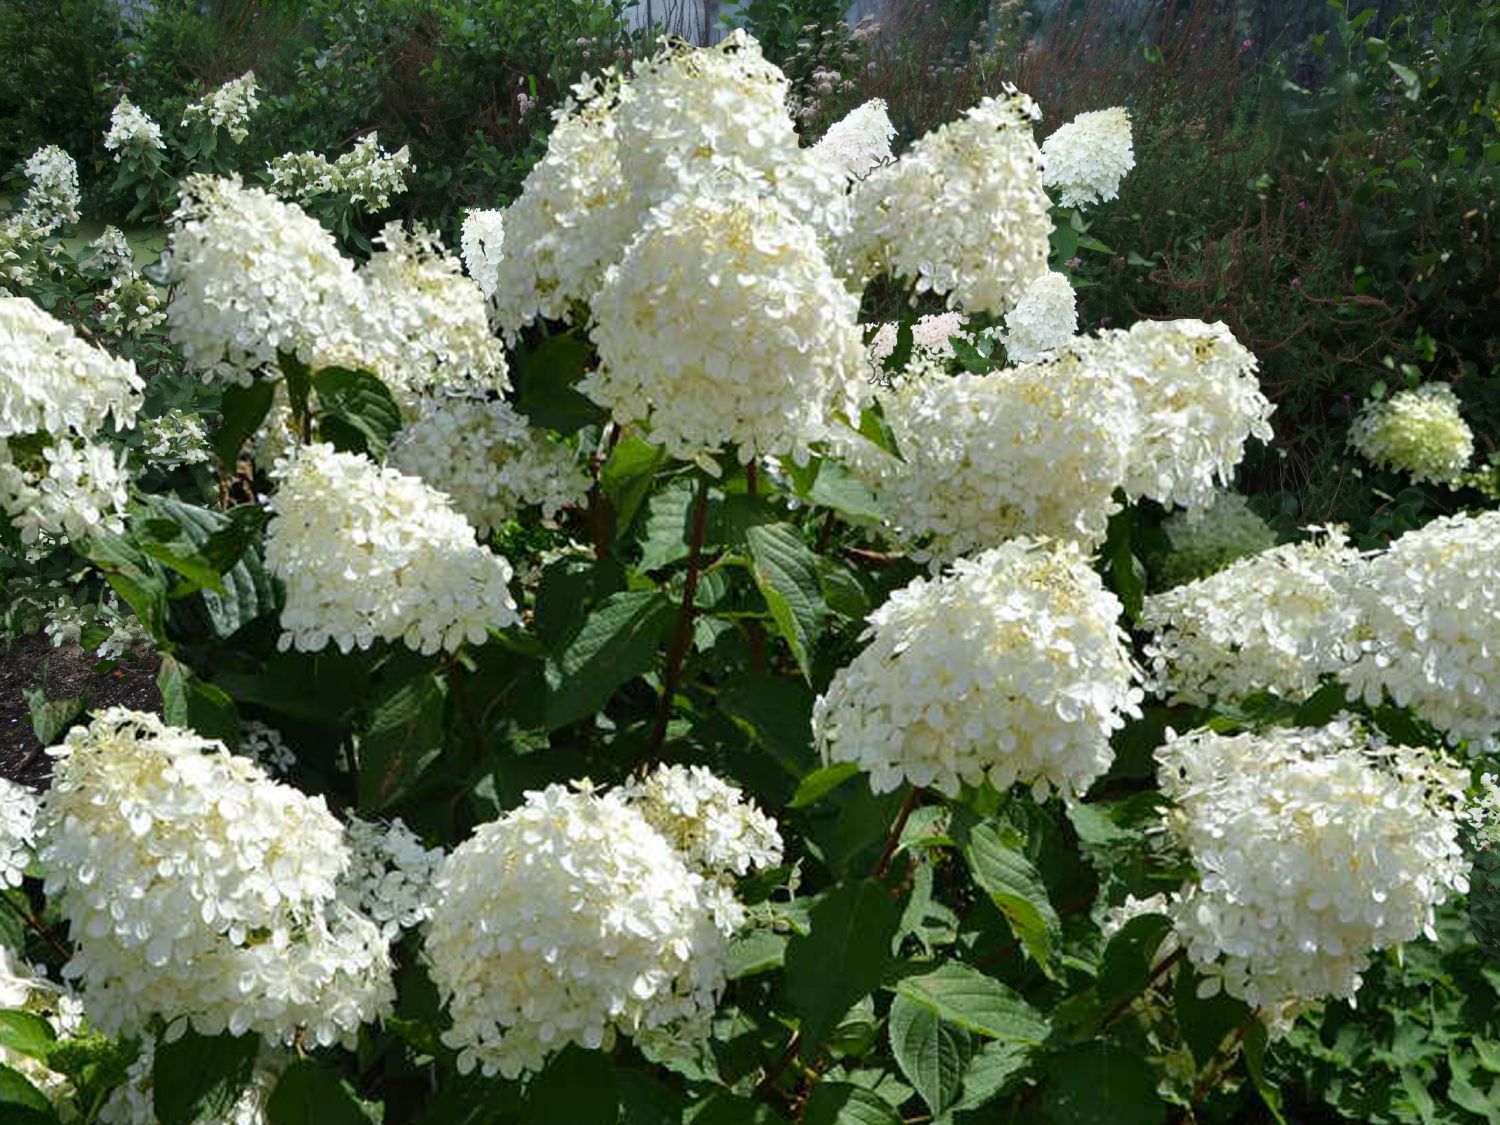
672 671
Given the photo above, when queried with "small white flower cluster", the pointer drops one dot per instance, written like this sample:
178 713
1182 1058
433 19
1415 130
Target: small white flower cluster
110 253
66 621
1276 621
25 988
251 277
131 306
197 889
51 189
572 216
1198 400
724 324
1313 848
573 920
265 745
366 176
716 831
174 438
369 553
1430 605
488 459
1037 449
1419 432
18 808
482 245
391 877
961 214
131 130
424 323
1045 318
1012 667
931 338
1088 157
52 381
1205 540
229 107
859 142
74 486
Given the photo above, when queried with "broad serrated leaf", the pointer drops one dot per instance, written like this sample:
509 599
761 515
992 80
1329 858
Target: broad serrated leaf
754 951
242 410
1101 1083
308 1093
133 576
616 643
786 572
1014 886
248 590
840 1103
50 718
821 782
356 411
1125 969
546 379
1204 1022
842 958
577 1085
993 1071
18 1096
26 1033
835 488
1126 572
969 998
402 737
664 531
189 702
626 475
933 1055
199 1076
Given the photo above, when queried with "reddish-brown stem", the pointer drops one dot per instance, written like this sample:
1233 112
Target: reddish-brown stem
894 838
34 924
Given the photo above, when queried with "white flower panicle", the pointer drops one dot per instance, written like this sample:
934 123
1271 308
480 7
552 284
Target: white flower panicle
366 176
570 920
724 324
1198 400
130 306
1205 540
931 338
371 554
228 107
859 142
174 438
1419 432
131 130
1033 450
111 252
1012 667
482 244
18 808
962 214
52 381
252 277
1313 848
1430 607
1045 318
488 459
1088 157
25 988
424 323
391 877
51 189
572 216
1276 621
197 889
714 828
73 487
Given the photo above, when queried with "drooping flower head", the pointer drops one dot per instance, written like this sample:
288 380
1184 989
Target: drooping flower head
1418 432
51 189
371 554
1314 848
52 381
1088 157
1045 318
1206 540
228 107
1010 668
131 130
482 245
859 142
195 888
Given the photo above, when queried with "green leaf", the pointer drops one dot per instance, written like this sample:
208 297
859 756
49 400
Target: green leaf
786 571
28 1034
932 1055
616 643
840 1103
872 424
18 1096
979 1003
1204 1021
834 488
626 476
189 702
577 1085
248 590
664 533
970 357
1255 1066
1125 969
298 384
992 1072
1101 1083
50 718
401 739
1127 574
755 951
546 379
310 1094
242 411
842 958
723 1108
357 413
821 782
1014 886
198 1076
133 576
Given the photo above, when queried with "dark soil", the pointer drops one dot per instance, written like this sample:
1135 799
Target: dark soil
62 673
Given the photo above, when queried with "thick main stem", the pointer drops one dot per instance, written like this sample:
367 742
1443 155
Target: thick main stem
672 671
